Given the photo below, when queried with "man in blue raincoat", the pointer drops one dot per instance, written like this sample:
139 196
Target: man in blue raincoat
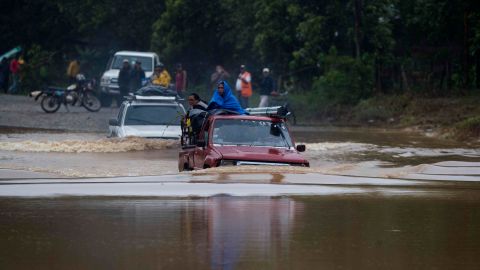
223 98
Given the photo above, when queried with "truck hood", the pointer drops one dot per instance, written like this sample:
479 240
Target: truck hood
260 154
157 131
111 73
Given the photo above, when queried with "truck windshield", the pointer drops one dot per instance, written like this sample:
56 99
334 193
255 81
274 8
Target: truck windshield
153 115
251 132
146 61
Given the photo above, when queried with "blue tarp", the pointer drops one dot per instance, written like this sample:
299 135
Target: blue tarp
228 101
11 53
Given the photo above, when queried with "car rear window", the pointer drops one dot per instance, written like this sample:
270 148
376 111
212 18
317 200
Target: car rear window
153 115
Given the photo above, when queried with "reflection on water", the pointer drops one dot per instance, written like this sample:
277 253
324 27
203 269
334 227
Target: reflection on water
339 232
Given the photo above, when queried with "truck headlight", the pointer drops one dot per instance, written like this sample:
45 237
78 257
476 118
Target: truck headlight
228 163
105 80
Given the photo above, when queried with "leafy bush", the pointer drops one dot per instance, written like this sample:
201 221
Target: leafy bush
346 80
35 73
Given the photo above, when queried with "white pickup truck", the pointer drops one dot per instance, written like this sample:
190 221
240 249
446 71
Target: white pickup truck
148 117
109 82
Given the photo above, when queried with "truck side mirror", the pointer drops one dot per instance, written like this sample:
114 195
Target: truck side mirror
201 143
113 122
301 148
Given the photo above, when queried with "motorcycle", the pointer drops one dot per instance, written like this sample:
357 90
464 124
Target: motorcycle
81 93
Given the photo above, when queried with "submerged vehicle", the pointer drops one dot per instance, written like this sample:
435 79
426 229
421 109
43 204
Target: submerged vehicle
228 139
148 117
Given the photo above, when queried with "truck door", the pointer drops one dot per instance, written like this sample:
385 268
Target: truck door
200 152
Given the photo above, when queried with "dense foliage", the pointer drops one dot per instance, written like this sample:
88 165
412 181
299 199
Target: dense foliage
334 51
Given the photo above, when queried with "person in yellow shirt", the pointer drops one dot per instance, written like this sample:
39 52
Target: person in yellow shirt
161 76
73 69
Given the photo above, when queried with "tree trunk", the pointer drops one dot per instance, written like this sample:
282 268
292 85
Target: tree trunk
477 69
357 7
466 51
406 88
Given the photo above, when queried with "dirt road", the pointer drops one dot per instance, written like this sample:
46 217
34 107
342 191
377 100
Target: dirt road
23 111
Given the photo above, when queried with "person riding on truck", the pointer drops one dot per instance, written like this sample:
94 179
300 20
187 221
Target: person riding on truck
223 98
161 76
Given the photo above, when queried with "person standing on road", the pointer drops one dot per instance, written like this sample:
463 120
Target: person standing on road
180 80
124 79
4 74
161 76
73 70
138 76
244 86
267 88
15 71
220 74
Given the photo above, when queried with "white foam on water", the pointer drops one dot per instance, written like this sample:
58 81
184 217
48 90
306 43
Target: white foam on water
105 145
429 152
339 147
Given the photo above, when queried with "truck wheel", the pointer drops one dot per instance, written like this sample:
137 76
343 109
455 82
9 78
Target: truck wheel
106 100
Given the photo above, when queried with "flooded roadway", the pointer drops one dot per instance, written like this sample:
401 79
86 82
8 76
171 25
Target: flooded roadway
372 199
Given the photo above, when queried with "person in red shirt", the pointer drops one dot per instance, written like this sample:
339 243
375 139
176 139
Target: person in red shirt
180 80
15 71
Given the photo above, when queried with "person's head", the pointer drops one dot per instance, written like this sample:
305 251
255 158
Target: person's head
126 63
221 88
159 68
138 64
219 69
179 66
266 72
242 68
193 99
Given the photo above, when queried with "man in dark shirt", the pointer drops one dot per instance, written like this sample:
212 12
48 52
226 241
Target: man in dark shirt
196 102
138 75
124 79
267 88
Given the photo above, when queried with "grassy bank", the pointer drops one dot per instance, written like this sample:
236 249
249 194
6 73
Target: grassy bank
452 118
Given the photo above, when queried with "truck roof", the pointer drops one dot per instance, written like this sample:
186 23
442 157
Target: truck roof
133 53
247 117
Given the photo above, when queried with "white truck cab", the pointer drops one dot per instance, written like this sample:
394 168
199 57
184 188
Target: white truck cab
109 81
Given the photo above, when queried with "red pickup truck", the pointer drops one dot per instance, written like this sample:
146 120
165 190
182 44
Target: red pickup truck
231 140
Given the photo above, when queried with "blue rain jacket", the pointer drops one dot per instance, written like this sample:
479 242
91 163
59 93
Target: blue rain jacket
227 102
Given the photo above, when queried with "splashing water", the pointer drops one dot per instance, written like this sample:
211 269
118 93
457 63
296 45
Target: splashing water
107 145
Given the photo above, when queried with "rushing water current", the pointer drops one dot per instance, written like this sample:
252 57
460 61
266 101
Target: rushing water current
372 199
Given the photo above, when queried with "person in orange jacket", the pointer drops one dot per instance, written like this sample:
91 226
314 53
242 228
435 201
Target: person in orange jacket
244 86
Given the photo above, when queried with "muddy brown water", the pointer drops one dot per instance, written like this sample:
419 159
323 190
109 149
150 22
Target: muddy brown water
222 232
383 200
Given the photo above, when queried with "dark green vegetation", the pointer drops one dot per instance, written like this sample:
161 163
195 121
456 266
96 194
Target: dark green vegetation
332 55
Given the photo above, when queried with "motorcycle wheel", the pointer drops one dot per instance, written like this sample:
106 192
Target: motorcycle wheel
50 104
91 102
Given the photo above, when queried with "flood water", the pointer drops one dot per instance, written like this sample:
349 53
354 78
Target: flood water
372 199
222 232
